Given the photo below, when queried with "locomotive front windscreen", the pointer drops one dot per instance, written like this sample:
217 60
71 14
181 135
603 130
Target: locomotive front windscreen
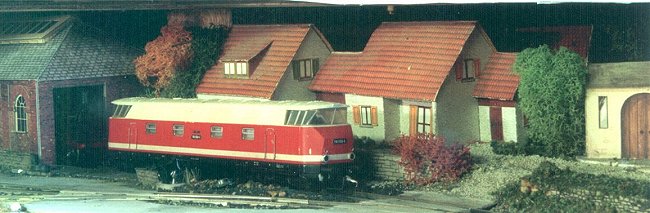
331 116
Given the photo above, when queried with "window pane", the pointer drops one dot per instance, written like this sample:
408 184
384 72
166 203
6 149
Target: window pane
469 68
178 130
602 112
301 115
151 128
216 132
244 69
307 68
291 117
240 69
226 67
365 115
248 134
232 68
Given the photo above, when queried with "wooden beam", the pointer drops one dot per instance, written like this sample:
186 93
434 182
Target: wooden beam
107 5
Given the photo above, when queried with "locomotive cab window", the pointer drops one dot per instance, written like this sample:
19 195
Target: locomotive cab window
151 128
332 116
121 111
248 134
178 129
216 132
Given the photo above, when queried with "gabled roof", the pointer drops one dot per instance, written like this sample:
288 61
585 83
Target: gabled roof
77 51
575 38
402 60
497 80
281 43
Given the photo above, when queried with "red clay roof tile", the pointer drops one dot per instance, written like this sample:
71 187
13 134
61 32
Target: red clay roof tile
243 43
498 81
406 60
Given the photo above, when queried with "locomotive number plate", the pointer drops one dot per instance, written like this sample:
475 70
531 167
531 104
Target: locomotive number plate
340 141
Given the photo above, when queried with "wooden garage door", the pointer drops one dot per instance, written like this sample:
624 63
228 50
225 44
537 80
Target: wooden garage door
496 123
636 127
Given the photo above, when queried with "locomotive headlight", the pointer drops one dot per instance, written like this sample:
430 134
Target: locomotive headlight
326 158
352 156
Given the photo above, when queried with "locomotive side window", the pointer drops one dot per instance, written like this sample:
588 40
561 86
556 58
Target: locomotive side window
121 111
216 132
248 134
151 128
178 129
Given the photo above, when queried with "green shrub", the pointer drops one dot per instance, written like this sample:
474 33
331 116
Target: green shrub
547 178
503 148
426 159
551 95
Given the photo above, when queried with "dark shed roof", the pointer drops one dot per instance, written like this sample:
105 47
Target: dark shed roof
75 52
619 75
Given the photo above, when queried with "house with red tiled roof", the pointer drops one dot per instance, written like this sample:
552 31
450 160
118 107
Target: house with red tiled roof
272 62
495 90
412 77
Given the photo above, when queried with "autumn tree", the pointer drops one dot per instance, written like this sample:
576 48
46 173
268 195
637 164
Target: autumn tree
165 55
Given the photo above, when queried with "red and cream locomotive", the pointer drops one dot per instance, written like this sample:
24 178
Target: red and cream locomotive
310 139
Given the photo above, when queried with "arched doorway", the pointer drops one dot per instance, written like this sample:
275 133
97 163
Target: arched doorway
635 124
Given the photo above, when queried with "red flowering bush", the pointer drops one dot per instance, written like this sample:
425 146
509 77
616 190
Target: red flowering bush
426 159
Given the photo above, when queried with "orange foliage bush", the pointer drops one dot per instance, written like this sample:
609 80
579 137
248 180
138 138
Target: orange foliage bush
426 159
165 55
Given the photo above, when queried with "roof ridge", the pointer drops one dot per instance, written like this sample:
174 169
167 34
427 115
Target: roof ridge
429 22
57 49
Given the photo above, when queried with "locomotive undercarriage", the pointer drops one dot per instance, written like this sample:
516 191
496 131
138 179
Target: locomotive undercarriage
178 169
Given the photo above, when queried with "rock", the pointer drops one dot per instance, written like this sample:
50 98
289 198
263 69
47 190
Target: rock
273 193
282 194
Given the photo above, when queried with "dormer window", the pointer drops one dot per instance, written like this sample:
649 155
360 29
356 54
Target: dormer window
236 69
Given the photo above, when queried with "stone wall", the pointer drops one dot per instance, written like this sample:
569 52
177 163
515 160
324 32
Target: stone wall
16 160
386 165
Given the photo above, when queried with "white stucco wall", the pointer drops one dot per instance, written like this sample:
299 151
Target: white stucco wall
509 119
376 133
290 89
606 143
392 117
484 123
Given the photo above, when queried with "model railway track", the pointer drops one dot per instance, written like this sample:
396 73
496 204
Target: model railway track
27 194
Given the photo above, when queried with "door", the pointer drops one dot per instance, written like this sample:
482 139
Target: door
635 127
133 136
496 123
269 143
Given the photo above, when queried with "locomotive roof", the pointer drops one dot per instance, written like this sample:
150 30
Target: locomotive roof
290 105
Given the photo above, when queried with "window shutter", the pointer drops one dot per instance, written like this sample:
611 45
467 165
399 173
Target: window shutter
477 67
315 66
356 114
413 120
459 70
373 116
296 70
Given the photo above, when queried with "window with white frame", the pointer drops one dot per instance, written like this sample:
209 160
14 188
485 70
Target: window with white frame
305 69
236 69
366 115
178 129
20 114
602 112
424 120
248 134
468 72
216 132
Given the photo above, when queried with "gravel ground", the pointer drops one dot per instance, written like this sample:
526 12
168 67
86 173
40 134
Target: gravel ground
491 172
